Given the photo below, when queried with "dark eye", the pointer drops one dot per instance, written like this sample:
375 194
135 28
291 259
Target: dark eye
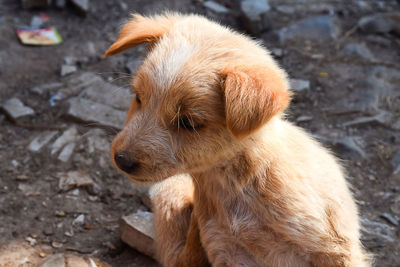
138 99
188 124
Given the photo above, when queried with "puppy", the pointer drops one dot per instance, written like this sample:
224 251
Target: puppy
261 192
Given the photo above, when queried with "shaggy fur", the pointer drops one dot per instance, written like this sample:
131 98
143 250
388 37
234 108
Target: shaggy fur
261 192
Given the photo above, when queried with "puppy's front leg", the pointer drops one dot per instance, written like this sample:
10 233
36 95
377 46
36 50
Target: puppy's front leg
177 235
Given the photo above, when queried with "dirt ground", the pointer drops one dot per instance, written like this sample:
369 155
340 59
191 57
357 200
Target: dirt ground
350 101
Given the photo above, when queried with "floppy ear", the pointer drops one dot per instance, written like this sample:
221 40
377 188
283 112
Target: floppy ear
140 30
253 95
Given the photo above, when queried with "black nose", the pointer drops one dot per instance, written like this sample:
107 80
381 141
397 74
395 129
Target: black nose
125 163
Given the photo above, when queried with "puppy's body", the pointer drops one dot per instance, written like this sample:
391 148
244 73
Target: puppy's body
264 193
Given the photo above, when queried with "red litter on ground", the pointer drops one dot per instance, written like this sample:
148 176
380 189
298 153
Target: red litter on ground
34 36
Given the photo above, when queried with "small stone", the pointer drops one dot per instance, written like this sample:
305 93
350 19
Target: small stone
123 6
69 136
312 28
381 23
379 119
81 5
55 244
299 85
67 69
137 231
41 140
92 112
288 10
73 179
254 9
66 152
35 3
57 260
278 52
15 163
22 178
79 221
94 189
60 213
48 231
15 109
360 50
32 241
390 218
254 15
304 118
41 89
36 21
396 162
215 7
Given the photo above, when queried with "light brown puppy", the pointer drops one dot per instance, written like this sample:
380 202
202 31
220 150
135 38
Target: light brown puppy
209 102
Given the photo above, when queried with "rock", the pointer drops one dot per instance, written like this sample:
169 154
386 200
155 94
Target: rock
81 5
349 145
41 89
138 232
108 94
360 50
288 10
69 136
36 21
379 119
396 162
35 3
314 28
304 118
277 52
55 261
15 109
381 23
79 221
215 7
97 142
299 85
381 231
67 69
133 65
390 218
41 140
254 15
76 83
92 112
73 179
66 152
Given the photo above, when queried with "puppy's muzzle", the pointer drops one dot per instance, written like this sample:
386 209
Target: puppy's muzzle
124 162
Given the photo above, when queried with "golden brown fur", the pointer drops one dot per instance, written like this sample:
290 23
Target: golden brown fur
261 192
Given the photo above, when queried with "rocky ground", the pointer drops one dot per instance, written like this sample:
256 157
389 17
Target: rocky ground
61 106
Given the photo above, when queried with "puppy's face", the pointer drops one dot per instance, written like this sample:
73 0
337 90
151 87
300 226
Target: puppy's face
194 101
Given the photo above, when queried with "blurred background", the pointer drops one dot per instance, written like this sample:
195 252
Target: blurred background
61 103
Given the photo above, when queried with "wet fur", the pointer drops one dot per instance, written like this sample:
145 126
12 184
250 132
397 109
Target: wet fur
259 190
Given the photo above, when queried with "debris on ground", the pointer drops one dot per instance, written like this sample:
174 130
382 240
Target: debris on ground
34 36
15 109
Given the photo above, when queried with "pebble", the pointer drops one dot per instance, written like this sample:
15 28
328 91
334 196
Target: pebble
349 144
61 3
358 49
298 85
215 7
381 23
15 109
69 136
41 140
312 28
88 111
73 179
41 89
67 69
137 231
254 14
304 118
379 119
66 152
78 221
278 52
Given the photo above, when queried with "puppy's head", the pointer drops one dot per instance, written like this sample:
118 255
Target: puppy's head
200 92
